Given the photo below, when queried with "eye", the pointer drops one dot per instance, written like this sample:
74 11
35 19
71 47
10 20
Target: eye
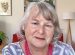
35 23
49 25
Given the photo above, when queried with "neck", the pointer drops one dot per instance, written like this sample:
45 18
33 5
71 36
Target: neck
38 51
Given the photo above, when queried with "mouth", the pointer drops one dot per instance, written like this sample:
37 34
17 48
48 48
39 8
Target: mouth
40 38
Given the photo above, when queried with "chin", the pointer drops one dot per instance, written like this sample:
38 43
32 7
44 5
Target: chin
38 45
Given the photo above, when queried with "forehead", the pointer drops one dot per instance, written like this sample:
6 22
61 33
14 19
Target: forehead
40 18
36 11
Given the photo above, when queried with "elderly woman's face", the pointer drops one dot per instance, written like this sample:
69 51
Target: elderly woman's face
39 31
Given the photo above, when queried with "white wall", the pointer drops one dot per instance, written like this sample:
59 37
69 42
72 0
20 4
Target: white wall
8 24
63 6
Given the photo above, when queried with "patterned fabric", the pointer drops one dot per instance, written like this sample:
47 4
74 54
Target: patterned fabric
59 49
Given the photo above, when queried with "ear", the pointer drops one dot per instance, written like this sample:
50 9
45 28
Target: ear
23 30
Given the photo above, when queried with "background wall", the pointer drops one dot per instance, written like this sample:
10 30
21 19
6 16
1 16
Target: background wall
63 6
9 24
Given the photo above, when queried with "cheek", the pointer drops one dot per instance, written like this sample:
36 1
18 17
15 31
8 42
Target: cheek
29 31
50 33
49 37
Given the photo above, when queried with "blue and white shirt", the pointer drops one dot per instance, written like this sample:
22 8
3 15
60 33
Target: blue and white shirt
60 48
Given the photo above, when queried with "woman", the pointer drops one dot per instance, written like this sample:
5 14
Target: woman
40 29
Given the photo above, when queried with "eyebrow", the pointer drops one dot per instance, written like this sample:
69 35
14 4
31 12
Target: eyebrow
34 19
48 21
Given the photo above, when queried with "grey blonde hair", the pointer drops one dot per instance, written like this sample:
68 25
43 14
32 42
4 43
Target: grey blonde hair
47 11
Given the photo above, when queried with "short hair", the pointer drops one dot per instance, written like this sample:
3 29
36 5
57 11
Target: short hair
49 13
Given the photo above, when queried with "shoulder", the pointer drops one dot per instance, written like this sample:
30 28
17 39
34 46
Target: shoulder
11 45
61 44
63 48
11 48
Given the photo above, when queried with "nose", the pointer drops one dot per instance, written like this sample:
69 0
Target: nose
41 30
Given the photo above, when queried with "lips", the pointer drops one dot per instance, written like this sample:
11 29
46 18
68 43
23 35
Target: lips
40 38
